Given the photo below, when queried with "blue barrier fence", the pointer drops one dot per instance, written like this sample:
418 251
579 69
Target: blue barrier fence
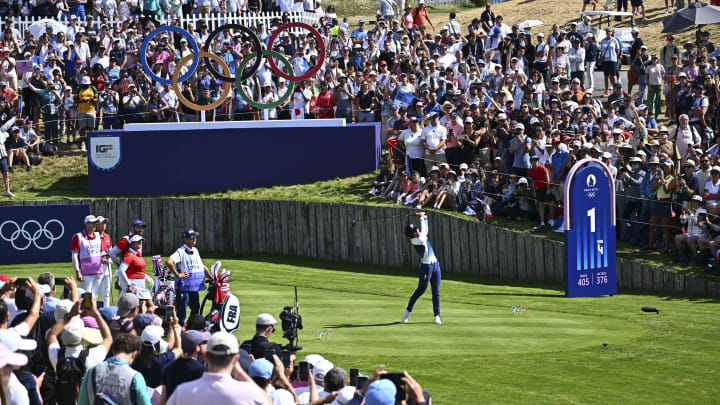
218 159
39 234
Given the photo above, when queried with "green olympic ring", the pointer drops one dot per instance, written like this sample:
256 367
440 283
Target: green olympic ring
324 333
238 80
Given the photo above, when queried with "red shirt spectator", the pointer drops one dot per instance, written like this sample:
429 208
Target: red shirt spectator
540 177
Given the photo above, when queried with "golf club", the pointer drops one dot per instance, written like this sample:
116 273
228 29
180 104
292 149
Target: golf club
356 220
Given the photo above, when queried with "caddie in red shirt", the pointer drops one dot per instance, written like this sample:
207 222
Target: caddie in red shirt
137 227
541 178
105 246
86 250
131 271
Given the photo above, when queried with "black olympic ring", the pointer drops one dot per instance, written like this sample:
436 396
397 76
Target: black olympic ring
256 43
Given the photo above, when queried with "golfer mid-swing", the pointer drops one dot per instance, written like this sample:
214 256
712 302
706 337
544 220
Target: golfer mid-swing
429 267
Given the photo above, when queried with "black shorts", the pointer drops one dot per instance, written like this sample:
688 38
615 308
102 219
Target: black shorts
4 165
541 194
636 3
609 68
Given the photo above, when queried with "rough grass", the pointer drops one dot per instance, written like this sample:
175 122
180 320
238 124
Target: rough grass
65 177
551 353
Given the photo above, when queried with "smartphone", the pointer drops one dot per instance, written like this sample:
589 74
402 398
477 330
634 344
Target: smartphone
161 312
269 356
396 378
354 373
86 301
59 281
100 304
285 357
303 371
361 381
20 282
169 312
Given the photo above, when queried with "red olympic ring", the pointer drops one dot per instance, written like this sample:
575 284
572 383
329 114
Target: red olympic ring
320 58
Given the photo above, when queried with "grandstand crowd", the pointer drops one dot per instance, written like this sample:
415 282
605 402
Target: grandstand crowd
485 117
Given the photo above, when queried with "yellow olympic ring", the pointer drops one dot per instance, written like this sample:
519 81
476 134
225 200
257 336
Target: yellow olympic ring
186 102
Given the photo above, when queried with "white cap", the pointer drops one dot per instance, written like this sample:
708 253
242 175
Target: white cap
320 369
62 308
502 116
715 169
152 334
44 289
101 219
222 344
136 238
314 359
265 319
85 80
90 219
14 342
464 166
606 155
72 333
522 180
634 31
345 395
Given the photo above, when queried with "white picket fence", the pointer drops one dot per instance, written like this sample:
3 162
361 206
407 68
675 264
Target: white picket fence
212 20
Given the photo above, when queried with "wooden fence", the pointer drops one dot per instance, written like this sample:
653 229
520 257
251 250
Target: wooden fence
326 231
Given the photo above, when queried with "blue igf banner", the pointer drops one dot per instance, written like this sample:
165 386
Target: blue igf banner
40 233
590 239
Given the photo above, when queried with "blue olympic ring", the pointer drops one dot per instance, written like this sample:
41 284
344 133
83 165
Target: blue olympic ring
191 41
324 333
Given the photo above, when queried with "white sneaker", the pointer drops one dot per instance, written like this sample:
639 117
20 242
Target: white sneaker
9 194
405 316
82 147
437 320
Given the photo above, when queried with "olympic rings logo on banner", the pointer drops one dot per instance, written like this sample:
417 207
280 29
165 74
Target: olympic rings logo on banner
323 334
31 238
225 77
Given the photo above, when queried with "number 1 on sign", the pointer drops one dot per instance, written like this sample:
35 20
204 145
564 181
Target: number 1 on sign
591 214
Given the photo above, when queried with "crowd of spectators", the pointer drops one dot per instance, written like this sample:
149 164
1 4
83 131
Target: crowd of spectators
61 348
486 115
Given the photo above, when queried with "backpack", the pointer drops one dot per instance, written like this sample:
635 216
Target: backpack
36 358
34 159
48 149
69 374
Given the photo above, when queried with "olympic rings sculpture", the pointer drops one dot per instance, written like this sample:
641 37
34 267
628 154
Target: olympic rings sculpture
323 334
31 238
207 56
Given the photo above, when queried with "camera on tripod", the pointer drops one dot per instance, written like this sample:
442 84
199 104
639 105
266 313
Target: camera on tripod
291 322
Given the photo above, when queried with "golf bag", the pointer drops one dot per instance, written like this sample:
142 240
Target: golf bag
163 289
224 312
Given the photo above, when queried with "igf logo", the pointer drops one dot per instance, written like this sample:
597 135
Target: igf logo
103 148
